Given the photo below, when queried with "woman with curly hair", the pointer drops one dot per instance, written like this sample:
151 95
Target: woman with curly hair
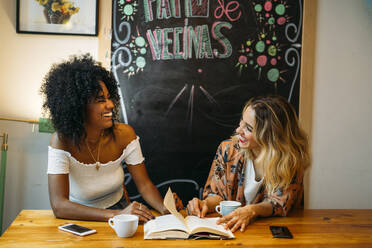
261 166
85 174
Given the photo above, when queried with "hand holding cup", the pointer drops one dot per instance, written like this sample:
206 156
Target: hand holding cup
226 207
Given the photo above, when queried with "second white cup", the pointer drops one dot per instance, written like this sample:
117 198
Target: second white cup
226 207
125 225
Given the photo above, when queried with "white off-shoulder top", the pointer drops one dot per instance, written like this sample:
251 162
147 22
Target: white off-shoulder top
91 187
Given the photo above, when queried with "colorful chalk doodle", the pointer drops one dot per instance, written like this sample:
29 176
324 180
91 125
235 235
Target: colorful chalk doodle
185 68
263 52
128 9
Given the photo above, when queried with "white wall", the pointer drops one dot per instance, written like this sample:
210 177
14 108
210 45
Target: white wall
24 60
341 174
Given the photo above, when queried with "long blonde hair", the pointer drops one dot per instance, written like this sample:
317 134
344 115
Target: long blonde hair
283 145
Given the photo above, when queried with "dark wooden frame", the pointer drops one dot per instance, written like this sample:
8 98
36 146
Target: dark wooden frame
18 29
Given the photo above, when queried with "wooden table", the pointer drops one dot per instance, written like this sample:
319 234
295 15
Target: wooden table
310 228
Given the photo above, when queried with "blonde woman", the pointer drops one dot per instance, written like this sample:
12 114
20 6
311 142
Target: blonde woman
261 166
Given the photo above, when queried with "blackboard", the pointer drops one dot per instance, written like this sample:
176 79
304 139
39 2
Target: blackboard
185 68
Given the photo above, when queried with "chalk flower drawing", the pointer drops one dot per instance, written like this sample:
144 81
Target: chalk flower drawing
128 8
58 11
133 47
263 52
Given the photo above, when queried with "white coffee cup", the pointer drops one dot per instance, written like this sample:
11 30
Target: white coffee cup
125 225
226 207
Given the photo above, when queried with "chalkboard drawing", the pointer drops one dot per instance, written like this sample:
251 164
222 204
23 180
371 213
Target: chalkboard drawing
58 11
271 14
128 9
138 48
186 68
228 10
264 53
190 104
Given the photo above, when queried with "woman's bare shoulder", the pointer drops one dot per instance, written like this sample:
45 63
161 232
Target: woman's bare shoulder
124 133
57 142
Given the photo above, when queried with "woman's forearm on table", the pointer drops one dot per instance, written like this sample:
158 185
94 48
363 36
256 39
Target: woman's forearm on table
70 210
262 209
152 196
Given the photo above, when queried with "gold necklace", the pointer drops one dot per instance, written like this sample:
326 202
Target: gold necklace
98 164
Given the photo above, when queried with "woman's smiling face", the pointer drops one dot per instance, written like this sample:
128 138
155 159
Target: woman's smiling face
245 129
99 110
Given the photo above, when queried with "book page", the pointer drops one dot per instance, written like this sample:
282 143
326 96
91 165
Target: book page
165 227
171 206
196 224
174 225
168 222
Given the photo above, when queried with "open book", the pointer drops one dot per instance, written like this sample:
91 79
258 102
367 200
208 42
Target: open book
175 226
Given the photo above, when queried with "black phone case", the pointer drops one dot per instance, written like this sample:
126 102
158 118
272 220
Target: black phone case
281 232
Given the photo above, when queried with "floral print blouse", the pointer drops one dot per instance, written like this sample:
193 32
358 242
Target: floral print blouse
226 179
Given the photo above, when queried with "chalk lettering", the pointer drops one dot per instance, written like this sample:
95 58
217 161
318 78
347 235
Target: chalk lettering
196 42
194 38
176 8
147 9
166 42
223 9
205 50
155 46
216 34
196 8
163 9
176 44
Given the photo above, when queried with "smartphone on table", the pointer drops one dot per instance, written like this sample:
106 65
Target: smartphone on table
77 229
281 232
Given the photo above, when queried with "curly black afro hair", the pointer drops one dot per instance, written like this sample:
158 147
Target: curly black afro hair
68 87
